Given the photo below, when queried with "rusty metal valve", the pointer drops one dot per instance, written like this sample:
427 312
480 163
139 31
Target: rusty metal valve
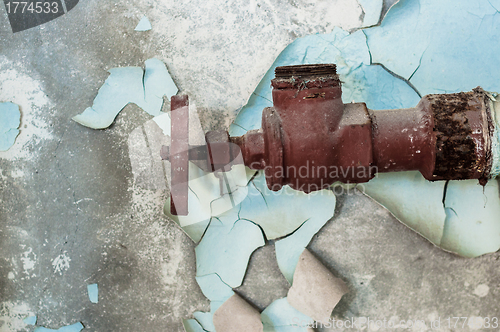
310 139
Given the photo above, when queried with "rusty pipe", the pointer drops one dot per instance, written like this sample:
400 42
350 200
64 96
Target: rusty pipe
309 139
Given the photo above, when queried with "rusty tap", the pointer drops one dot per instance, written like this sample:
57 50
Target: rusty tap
310 139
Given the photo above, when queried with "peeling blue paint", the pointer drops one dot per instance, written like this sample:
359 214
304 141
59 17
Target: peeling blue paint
10 119
125 85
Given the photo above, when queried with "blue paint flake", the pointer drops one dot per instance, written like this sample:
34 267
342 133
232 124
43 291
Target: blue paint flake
10 119
125 85
93 292
77 327
144 24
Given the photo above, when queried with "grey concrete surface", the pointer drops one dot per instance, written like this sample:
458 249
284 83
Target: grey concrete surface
70 215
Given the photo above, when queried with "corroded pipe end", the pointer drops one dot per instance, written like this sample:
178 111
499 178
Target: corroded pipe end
328 69
306 77
463 139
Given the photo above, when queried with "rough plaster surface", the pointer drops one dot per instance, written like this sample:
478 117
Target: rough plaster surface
71 215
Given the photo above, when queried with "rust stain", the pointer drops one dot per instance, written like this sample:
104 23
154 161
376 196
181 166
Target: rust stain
315 95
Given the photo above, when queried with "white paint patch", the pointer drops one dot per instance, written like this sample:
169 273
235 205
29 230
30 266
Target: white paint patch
482 290
61 263
17 173
12 315
19 88
29 260
11 275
